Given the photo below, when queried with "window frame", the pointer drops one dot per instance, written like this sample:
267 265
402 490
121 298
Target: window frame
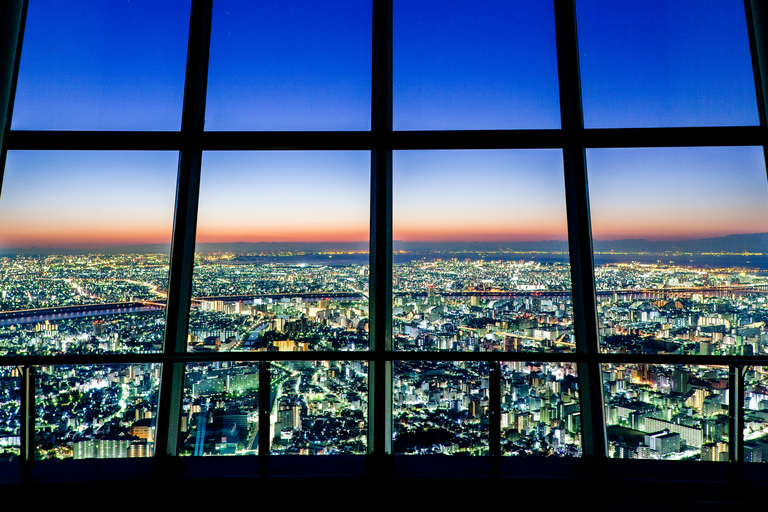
381 140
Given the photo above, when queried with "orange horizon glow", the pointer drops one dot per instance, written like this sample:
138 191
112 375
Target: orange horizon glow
464 236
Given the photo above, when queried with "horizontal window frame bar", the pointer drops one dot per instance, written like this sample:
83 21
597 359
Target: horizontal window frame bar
397 140
564 357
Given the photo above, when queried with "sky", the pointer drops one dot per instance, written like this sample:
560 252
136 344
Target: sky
474 65
465 196
87 198
284 196
661 63
677 193
96 65
306 65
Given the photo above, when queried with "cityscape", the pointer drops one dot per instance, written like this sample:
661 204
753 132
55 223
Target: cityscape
382 241
494 301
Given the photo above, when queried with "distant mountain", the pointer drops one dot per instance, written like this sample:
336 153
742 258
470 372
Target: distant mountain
755 242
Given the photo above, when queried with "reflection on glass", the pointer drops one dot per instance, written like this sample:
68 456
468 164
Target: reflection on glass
480 251
319 407
756 414
440 407
282 252
98 411
290 65
84 245
666 412
93 65
657 64
540 411
680 243
10 406
480 65
220 412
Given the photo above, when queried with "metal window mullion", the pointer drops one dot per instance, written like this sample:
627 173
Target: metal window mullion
757 30
736 416
579 230
27 420
494 414
12 20
265 402
756 13
380 366
13 15
184 228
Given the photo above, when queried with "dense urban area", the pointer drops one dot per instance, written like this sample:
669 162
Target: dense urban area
100 304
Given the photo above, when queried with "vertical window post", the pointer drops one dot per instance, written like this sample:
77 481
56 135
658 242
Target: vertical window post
380 369
185 224
12 17
579 230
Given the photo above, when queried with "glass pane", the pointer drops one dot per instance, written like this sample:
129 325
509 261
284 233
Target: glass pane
487 65
10 416
220 412
540 412
656 64
756 414
94 65
319 407
84 244
666 412
98 411
282 252
480 251
290 65
440 407
680 243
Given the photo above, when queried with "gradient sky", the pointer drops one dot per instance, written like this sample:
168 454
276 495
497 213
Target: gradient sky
306 65
677 193
279 196
463 195
87 198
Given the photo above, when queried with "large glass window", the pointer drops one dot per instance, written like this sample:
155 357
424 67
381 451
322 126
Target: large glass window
318 407
680 249
401 182
667 412
657 63
296 65
480 251
282 252
85 240
96 65
460 65
441 407
96 412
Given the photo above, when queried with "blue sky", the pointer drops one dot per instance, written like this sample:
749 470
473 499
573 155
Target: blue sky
658 63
